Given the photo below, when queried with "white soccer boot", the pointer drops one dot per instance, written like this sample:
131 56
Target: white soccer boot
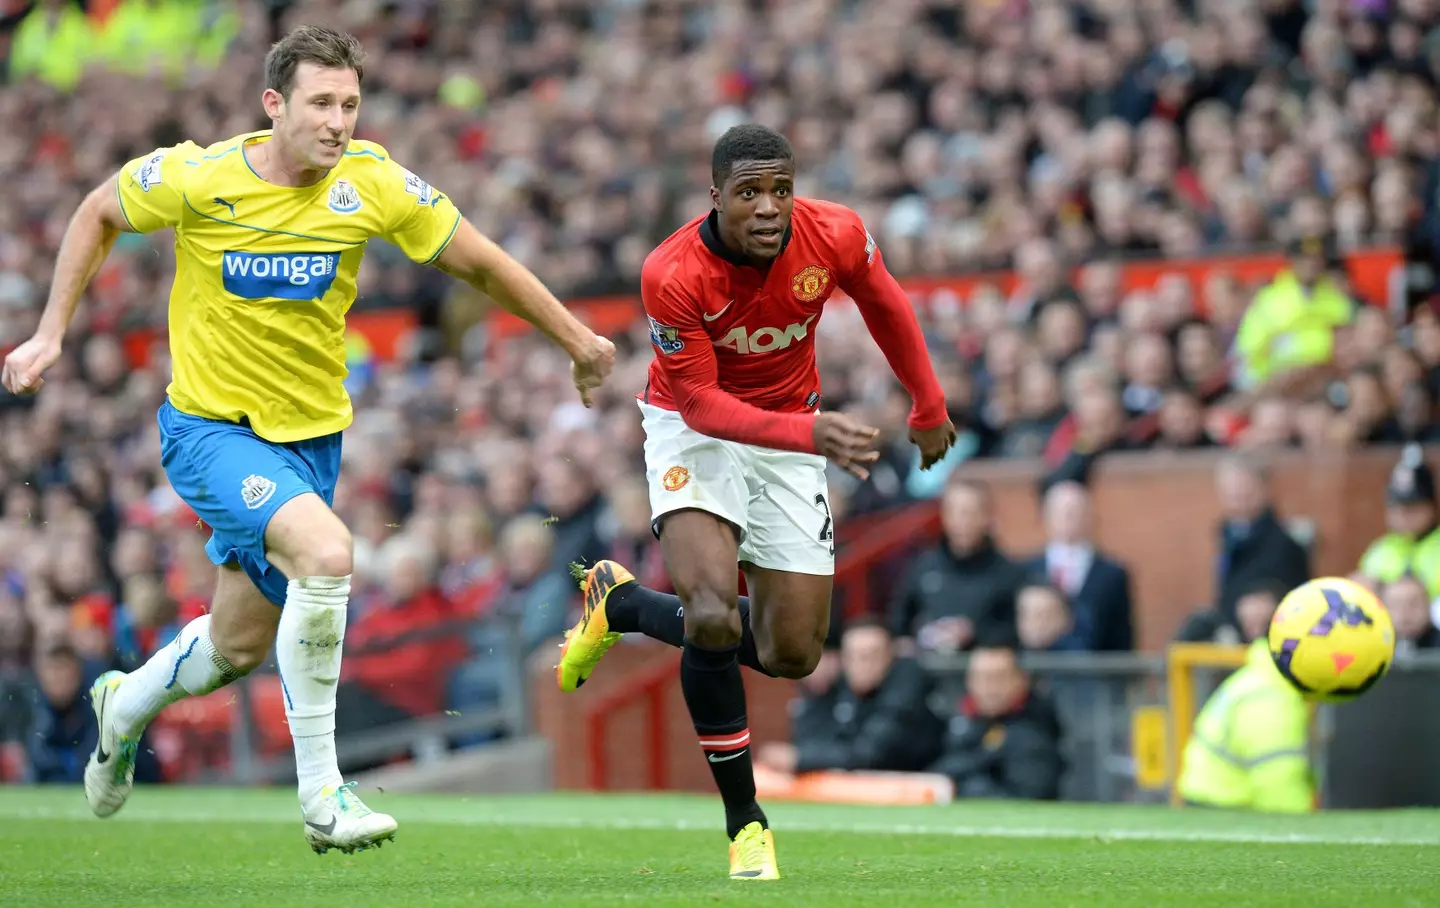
339 819
110 773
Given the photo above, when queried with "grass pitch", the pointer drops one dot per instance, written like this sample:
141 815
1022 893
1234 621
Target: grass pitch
195 847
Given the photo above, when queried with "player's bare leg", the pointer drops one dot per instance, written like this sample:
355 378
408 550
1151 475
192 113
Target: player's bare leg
790 617
312 547
207 654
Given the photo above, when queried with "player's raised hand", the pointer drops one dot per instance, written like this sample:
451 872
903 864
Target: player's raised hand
27 362
591 368
933 443
849 443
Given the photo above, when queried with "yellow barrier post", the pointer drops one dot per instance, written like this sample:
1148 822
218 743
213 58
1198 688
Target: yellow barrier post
1181 659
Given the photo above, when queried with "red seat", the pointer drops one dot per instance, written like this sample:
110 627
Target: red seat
12 762
267 715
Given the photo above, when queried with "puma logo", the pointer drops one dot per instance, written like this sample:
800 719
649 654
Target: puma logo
230 205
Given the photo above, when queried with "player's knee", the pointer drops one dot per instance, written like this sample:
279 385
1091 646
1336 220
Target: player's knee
332 556
787 659
712 619
244 647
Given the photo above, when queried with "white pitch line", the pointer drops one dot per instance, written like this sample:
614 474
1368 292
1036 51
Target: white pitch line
664 825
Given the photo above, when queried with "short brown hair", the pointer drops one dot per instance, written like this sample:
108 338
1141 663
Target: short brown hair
316 44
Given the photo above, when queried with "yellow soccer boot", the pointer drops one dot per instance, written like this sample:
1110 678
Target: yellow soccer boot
588 640
752 854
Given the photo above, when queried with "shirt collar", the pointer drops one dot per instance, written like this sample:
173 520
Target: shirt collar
710 236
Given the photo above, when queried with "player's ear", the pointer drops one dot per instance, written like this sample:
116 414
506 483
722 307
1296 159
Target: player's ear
714 198
273 103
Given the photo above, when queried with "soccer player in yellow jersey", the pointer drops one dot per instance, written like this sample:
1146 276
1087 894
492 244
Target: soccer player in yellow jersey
269 232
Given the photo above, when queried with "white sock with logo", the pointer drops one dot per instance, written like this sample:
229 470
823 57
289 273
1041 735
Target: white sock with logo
308 648
188 667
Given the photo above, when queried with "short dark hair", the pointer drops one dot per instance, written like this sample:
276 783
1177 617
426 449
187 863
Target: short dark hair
749 142
1265 586
997 636
325 47
864 620
958 480
62 650
1041 582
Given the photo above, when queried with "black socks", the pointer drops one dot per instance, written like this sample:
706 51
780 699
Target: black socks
633 609
715 694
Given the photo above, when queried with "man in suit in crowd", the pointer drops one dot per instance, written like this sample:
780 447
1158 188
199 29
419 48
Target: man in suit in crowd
1098 588
1254 545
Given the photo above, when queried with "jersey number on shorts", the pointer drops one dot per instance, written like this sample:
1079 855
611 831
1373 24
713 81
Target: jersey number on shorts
827 531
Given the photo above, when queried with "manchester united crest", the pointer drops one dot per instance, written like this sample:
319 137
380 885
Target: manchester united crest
675 479
810 283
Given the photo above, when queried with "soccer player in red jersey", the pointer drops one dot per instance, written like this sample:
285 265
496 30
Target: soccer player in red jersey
735 451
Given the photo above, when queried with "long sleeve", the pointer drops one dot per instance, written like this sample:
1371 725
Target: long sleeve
684 352
891 319
1272 732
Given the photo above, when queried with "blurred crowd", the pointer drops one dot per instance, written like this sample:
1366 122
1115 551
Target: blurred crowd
1052 139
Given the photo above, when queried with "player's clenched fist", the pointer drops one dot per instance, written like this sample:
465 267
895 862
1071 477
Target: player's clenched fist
591 367
26 363
849 443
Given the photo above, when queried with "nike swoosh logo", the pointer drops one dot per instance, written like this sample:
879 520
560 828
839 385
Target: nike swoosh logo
721 758
711 318
101 756
327 828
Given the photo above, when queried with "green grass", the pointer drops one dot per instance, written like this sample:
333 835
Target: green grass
196 847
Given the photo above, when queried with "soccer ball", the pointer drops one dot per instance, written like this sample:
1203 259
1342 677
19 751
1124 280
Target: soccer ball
1332 639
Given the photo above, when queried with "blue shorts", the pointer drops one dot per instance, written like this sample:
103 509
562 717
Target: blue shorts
236 481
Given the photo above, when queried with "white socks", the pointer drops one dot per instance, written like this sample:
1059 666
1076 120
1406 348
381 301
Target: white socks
307 649
188 667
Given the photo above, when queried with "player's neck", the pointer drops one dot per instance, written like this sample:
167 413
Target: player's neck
734 247
271 164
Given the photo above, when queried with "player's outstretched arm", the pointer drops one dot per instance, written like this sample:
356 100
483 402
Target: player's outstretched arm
92 232
891 320
482 264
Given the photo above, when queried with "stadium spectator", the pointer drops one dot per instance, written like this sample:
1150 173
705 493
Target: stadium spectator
962 588
402 642
63 734
1096 587
1045 619
1250 745
875 717
1004 739
1408 602
1287 336
1412 543
1253 543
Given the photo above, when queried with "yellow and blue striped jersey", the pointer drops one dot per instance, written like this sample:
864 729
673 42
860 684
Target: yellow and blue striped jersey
264 274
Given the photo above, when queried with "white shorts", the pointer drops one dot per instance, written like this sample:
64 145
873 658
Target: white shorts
778 500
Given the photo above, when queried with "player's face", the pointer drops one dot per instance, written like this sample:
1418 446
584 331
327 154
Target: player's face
316 123
755 205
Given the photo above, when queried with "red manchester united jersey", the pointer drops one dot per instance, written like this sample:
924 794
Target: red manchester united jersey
735 343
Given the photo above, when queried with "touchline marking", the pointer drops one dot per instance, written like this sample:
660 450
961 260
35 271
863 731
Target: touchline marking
623 824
